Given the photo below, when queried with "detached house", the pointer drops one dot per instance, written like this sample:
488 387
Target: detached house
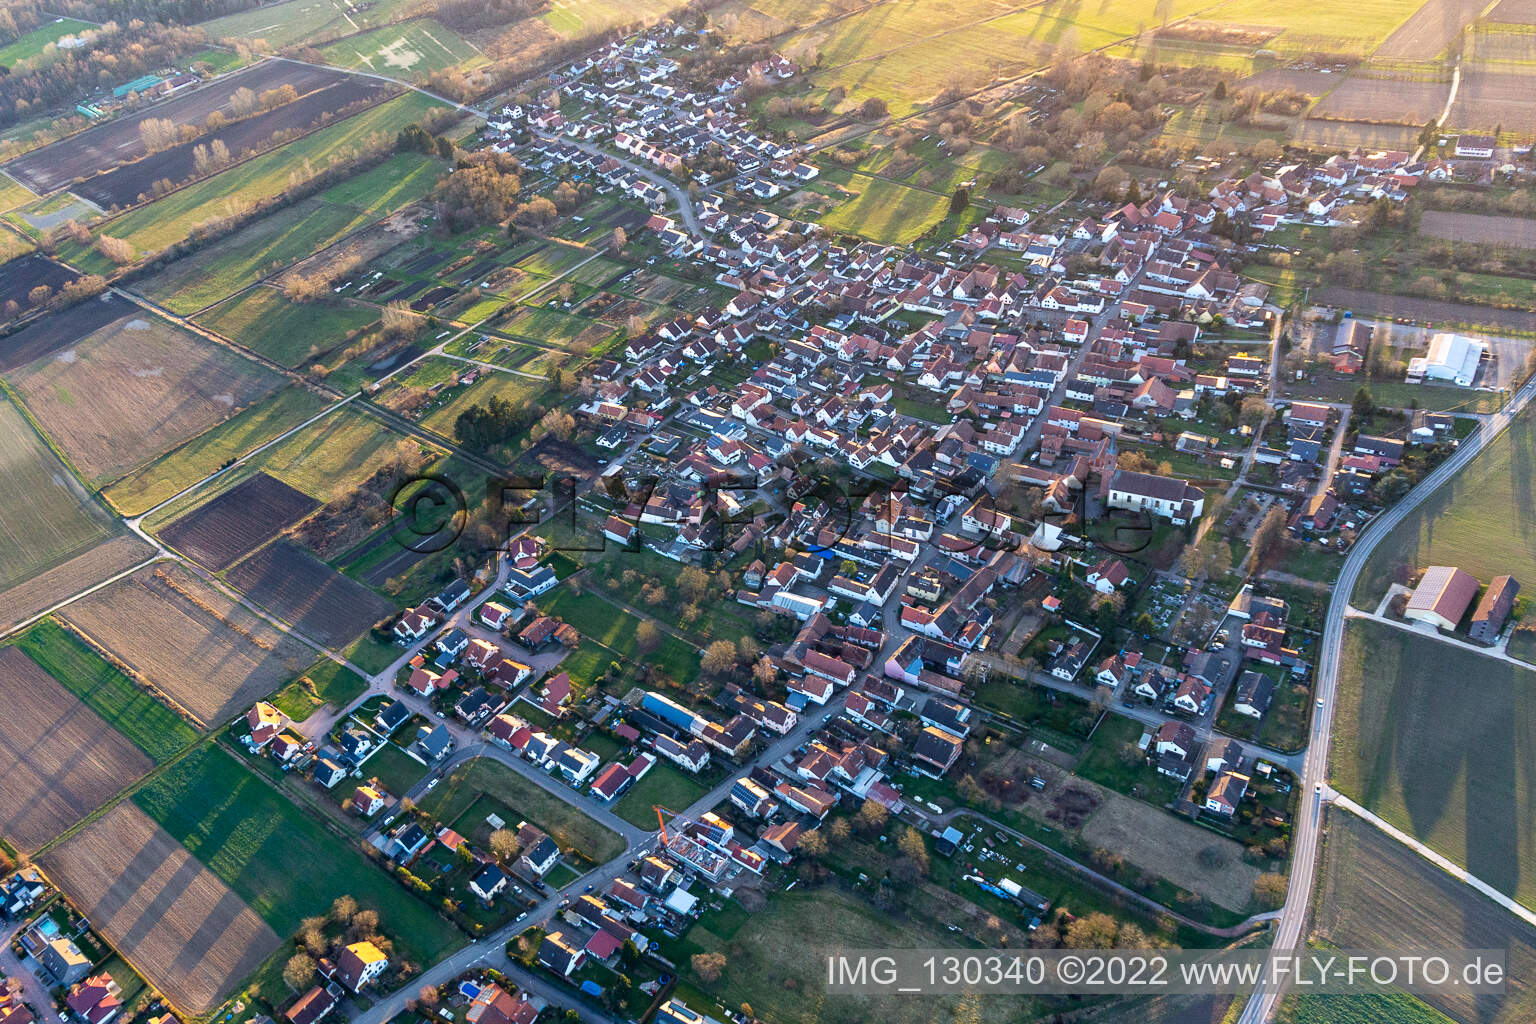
359 964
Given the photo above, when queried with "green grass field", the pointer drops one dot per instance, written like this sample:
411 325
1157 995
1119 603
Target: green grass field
33 43
515 389
162 479
1316 25
1441 742
326 682
1398 1007
887 211
302 21
250 254
287 236
324 460
291 333
396 770
166 221
413 49
45 516
663 786
1481 520
277 858
148 724
604 623
564 822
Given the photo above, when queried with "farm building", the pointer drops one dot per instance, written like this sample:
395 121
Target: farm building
1452 357
1442 596
1493 609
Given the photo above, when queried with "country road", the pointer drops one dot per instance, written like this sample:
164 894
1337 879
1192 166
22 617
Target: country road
1305 841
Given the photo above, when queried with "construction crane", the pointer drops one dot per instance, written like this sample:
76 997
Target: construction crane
661 821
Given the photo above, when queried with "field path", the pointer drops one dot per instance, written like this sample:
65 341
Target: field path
1446 112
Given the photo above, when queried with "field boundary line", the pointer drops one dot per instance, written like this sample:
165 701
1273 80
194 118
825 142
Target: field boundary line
1437 859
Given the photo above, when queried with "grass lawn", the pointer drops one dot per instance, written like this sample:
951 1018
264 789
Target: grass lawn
413 50
131 710
1481 520
664 785
372 655
887 211
1442 743
521 800
32 44
396 770
326 682
561 875
291 333
1311 562
1104 761
171 473
602 622
281 861
161 223
1396 394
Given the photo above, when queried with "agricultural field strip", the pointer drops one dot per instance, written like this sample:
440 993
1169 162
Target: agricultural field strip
118 142
838 139
1444 863
50 785
162 910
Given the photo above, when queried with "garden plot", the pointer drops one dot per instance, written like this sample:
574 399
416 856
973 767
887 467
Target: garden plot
133 390
202 650
166 913
58 760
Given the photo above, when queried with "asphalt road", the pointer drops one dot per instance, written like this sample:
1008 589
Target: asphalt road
1305 840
